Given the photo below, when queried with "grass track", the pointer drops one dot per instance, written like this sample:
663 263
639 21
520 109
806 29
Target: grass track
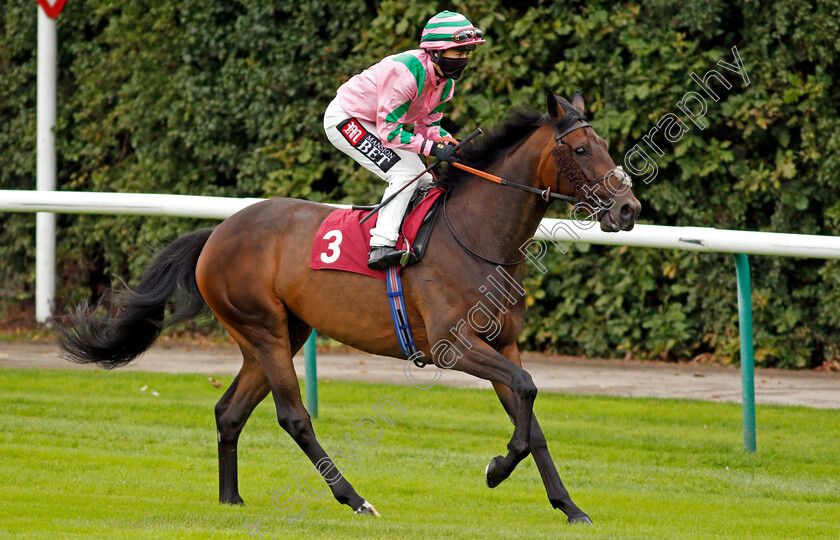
86 454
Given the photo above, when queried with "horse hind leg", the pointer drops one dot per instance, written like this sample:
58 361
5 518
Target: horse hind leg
248 389
273 338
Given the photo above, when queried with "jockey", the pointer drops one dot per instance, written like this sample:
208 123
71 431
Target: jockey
367 119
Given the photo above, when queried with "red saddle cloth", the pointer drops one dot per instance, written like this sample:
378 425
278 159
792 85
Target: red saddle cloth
341 243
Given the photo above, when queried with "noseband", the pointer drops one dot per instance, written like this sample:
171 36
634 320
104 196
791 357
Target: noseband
617 171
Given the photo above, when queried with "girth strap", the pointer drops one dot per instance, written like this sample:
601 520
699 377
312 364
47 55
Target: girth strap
400 315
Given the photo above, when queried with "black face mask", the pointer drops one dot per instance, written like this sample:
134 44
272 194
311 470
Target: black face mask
452 67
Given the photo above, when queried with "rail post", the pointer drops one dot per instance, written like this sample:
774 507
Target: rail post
311 377
45 167
742 270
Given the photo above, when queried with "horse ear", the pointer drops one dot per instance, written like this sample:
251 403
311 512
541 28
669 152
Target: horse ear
577 101
553 106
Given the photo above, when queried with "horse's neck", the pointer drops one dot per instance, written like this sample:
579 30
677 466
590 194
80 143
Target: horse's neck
493 220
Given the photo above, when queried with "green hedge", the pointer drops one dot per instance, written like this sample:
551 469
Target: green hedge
226 98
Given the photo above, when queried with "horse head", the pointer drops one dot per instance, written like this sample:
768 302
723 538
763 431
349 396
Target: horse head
581 167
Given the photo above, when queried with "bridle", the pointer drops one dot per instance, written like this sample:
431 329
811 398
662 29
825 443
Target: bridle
545 194
617 171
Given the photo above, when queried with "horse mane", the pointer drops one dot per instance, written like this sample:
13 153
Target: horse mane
494 144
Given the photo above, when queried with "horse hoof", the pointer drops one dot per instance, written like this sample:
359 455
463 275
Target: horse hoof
236 501
580 520
367 509
493 474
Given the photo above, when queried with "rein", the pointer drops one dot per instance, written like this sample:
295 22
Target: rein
544 194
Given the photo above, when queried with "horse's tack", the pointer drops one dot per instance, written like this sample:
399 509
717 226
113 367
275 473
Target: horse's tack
565 164
563 159
400 315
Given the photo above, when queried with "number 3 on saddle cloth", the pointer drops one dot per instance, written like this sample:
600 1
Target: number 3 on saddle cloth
341 243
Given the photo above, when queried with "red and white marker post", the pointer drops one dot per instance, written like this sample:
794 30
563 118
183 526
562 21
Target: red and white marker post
45 157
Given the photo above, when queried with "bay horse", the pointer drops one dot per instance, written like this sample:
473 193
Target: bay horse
252 271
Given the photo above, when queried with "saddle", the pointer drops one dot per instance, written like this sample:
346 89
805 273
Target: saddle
421 238
341 243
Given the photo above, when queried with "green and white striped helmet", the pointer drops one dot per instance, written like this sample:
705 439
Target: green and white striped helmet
448 30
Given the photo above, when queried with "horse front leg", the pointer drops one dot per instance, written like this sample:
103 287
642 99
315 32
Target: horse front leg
484 362
557 493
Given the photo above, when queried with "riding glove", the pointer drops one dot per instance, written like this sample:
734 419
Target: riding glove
444 152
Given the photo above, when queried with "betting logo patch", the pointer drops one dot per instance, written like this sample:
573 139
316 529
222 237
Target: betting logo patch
366 143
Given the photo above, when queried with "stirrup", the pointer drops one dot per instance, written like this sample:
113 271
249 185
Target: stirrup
381 257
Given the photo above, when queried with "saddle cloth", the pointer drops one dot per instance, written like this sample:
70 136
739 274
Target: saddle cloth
341 243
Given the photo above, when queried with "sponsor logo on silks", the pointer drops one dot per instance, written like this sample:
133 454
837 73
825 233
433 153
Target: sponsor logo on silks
366 143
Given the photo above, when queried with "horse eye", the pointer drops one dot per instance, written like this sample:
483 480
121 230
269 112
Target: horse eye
580 150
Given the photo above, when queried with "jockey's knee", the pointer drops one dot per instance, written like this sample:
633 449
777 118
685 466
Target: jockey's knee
400 180
426 181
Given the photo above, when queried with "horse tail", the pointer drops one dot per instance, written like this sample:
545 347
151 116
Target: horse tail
114 340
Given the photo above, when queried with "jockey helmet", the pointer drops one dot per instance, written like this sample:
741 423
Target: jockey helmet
449 30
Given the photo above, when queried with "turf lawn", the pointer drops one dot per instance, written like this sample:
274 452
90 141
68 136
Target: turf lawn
88 454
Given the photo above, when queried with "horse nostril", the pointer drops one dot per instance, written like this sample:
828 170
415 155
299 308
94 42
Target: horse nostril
628 213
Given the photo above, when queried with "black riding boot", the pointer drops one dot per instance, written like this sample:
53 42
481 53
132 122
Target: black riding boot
381 257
